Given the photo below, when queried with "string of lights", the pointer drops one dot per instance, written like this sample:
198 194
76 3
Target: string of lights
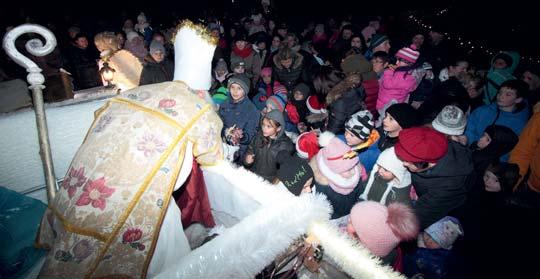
462 42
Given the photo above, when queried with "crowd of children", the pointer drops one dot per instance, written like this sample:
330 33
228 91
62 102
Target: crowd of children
406 149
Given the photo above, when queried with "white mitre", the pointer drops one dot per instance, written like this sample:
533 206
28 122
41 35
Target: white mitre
194 49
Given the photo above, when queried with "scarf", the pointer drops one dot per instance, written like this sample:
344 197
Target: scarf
243 53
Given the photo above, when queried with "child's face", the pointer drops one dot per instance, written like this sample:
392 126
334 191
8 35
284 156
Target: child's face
378 65
268 129
351 139
483 141
499 64
220 72
356 42
267 79
266 109
240 44
390 124
385 174
491 182
429 242
239 70
298 95
286 63
237 93
307 186
507 97
350 229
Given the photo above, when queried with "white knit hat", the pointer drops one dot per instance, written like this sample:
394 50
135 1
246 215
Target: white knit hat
450 121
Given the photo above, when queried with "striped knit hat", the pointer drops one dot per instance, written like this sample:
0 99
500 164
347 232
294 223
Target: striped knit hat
360 124
409 54
277 101
376 40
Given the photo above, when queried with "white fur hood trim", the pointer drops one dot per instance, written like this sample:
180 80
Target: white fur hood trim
349 255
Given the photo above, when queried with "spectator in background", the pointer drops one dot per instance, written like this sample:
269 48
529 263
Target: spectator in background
82 63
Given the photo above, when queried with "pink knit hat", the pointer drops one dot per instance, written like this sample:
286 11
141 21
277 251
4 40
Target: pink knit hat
381 228
409 54
332 161
266 71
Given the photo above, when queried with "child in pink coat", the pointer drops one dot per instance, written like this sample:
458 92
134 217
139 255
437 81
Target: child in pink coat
397 82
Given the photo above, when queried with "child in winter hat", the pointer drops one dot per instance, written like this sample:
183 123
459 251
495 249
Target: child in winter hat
450 121
277 101
441 234
337 174
496 141
389 180
398 82
294 173
433 255
307 145
380 228
339 163
408 54
396 118
359 128
501 177
296 108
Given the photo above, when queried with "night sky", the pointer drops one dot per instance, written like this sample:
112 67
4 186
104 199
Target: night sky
502 27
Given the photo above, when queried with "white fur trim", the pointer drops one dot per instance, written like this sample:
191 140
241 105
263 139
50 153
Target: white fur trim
350 255
325 138
301 153
244 250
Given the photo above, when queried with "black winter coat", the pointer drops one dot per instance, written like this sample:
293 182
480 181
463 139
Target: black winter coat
265 162
341 109
157 72
442 190
293 75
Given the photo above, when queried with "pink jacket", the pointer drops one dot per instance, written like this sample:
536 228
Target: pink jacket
395 85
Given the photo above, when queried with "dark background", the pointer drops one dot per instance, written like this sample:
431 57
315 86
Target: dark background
513 26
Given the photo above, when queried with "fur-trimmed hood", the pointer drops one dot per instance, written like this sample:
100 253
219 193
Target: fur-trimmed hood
352 81
298 59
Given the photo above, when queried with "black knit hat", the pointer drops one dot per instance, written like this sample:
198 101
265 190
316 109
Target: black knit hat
404 114
293 172
302 88
503 139
507 173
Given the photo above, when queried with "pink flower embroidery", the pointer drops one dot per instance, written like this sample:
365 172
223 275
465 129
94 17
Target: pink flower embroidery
73 180
131 235
167 103
95 192
150 144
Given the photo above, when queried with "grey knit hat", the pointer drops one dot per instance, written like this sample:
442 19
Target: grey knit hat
240 79
450 121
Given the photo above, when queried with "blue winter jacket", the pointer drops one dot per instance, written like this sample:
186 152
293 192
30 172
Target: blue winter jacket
244 115
486 115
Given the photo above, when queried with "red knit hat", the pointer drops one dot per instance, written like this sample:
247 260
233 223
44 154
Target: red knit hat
307 145
409 54
314 105
421 144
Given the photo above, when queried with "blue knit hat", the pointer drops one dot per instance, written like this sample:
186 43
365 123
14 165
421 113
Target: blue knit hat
377 40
